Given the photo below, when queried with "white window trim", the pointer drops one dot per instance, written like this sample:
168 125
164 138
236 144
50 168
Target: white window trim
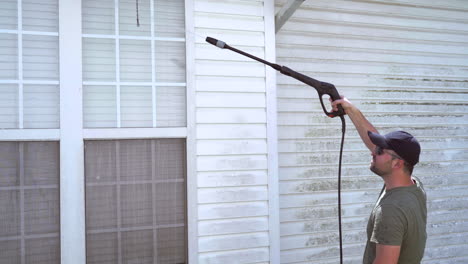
134 133
272 134
192 183
117 36
29 82
27 32
72 199
30 134
71 133
20 66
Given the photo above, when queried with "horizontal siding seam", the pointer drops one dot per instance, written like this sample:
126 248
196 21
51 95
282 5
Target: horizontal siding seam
201 14
237 234
244 202
368 25
325 219
381 62
233 250
244 217
326 246
384 14
408 3
229 218
232 186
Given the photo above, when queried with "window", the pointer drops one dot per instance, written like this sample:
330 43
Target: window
135 201
133 76
29 202
134 72
29 87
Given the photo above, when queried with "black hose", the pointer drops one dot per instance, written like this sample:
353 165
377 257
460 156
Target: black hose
343 130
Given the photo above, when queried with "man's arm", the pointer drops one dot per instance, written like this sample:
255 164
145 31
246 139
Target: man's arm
386 254
359 120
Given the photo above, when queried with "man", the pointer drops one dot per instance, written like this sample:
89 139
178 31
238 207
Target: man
396 231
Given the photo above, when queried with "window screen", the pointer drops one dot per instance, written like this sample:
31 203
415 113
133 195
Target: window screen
29 86
135 201
29 202
134 63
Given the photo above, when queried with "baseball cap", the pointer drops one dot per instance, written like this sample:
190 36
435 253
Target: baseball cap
403 143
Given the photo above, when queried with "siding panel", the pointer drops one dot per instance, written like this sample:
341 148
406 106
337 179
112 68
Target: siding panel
233 226
231 134
404 64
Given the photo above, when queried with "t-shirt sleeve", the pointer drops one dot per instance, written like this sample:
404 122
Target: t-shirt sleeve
389 226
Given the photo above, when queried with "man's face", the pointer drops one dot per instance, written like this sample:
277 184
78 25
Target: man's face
382 161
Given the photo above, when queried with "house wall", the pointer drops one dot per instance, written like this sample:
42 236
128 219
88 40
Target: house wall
237 217
404 64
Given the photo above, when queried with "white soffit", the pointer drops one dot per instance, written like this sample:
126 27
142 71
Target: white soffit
286 12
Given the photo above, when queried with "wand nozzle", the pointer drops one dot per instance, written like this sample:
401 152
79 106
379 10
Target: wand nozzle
217 43
321 87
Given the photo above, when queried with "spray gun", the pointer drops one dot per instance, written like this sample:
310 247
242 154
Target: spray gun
321 87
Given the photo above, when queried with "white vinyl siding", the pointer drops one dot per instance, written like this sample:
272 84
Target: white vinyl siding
129 68
29 64
404 65
232 145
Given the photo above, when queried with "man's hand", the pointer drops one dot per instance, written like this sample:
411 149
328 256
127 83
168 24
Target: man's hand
344 102
360 122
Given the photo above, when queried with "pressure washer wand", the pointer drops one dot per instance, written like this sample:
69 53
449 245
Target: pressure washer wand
321 87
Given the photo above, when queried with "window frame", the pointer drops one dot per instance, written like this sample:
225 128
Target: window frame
20 81
25 186
71 134
121 184
116 37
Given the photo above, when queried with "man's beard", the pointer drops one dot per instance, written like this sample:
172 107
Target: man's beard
376 170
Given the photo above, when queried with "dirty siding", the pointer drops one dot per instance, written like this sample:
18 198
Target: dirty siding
231 134
405 64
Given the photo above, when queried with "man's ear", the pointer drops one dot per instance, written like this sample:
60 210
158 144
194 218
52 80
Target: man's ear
398 163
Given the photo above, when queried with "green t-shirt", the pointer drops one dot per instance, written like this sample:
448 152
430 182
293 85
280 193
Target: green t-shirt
399 219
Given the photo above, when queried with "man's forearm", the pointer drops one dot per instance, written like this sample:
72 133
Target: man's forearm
362 126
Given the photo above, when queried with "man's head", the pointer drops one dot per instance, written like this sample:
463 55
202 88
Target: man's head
399 145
